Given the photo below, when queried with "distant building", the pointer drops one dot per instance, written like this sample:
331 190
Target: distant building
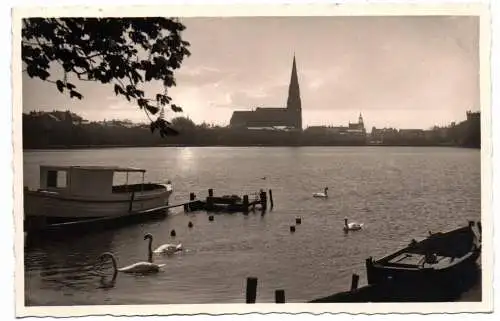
411 133
264 117
65 117
357 128
379 134
473 115
353 129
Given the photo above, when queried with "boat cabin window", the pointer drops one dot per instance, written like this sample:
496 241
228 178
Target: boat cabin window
56 179
124 182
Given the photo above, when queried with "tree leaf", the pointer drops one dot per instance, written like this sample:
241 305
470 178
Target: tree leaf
153 110
149 73
142 102
73 93
176 108
43 74
118 89
60 85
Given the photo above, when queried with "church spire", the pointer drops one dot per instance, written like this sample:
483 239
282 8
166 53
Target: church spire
293 103
293 89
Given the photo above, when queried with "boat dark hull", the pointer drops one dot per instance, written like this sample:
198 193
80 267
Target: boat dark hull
80 227
401 292
451 279
459 248
395 279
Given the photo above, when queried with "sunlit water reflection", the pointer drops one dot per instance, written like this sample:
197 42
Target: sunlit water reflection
398 193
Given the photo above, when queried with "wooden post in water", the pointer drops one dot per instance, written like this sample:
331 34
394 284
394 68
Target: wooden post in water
187 207
279 296
271 198
251 294
369 270
263 200
245 203
354 282
210 202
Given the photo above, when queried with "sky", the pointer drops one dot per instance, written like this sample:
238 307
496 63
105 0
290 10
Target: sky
403 72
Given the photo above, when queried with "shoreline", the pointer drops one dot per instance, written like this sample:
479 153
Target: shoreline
82 147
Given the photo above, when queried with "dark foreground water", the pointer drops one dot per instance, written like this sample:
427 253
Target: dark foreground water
398 193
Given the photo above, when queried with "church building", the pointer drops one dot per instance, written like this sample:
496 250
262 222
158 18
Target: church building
265 117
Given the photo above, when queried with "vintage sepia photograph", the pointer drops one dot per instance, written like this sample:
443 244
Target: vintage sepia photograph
247 157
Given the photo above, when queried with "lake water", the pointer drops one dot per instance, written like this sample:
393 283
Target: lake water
398 193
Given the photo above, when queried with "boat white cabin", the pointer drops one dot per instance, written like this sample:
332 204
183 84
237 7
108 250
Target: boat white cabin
69 193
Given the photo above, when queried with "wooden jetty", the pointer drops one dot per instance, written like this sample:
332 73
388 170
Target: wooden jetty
230 203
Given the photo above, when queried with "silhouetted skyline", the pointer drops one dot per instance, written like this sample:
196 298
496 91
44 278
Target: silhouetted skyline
404 72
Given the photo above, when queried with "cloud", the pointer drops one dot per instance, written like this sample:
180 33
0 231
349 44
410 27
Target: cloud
200 76
391 66
264 96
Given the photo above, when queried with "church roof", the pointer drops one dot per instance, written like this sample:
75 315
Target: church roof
261 117
267 109
290 116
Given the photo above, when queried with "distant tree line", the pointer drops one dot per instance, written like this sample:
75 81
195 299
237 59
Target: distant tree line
63 129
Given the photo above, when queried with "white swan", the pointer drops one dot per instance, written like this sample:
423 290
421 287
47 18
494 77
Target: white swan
138 268
162 249
352 226
324 194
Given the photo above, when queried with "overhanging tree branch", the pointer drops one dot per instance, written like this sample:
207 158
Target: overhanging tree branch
125 51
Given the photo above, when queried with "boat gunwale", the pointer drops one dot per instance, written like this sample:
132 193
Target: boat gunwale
91 168
415 267
432 238
138 196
